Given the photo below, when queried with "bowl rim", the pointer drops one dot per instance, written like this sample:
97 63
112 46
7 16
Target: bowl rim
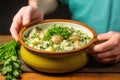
56 20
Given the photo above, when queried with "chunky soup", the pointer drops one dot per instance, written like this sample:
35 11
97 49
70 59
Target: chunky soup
56 38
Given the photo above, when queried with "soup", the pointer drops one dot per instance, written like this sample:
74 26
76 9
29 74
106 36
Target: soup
56 38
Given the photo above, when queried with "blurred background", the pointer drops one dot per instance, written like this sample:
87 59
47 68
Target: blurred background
10 7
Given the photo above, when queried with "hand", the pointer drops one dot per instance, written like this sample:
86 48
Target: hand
108 49
24 16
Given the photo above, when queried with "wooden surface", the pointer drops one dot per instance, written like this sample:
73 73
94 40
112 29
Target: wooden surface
78 75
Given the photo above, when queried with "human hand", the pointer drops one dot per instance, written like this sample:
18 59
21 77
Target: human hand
24 16
108 49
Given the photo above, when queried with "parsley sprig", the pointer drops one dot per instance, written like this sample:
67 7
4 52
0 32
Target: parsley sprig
58 30
11 65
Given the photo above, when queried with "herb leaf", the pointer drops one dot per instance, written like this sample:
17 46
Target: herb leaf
58 30
11 66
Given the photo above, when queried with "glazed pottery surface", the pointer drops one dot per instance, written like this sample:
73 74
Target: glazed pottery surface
54 65
55 62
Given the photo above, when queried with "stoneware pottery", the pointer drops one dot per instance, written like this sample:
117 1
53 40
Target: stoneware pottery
55 62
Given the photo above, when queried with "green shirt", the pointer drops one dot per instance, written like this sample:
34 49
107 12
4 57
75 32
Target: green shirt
101 15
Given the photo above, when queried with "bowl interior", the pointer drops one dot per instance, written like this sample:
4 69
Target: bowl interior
46 23
68 24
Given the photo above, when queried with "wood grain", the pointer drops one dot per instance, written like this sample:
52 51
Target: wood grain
5 38
76 76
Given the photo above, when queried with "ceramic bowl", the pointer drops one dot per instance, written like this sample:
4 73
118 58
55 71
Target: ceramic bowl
55 62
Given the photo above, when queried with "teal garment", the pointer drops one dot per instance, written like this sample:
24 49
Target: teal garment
101 15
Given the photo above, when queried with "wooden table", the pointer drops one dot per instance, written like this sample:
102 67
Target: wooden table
72 76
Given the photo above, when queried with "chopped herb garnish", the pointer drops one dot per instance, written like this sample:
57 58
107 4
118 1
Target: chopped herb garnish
58 30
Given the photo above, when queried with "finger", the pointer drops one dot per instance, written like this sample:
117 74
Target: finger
36 19
100 39
14 31
16 24
107 61
27 15
37 16
110 60
104 45
104 36
111 53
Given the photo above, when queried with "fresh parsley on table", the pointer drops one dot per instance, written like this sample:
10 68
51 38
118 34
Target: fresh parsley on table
9 57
